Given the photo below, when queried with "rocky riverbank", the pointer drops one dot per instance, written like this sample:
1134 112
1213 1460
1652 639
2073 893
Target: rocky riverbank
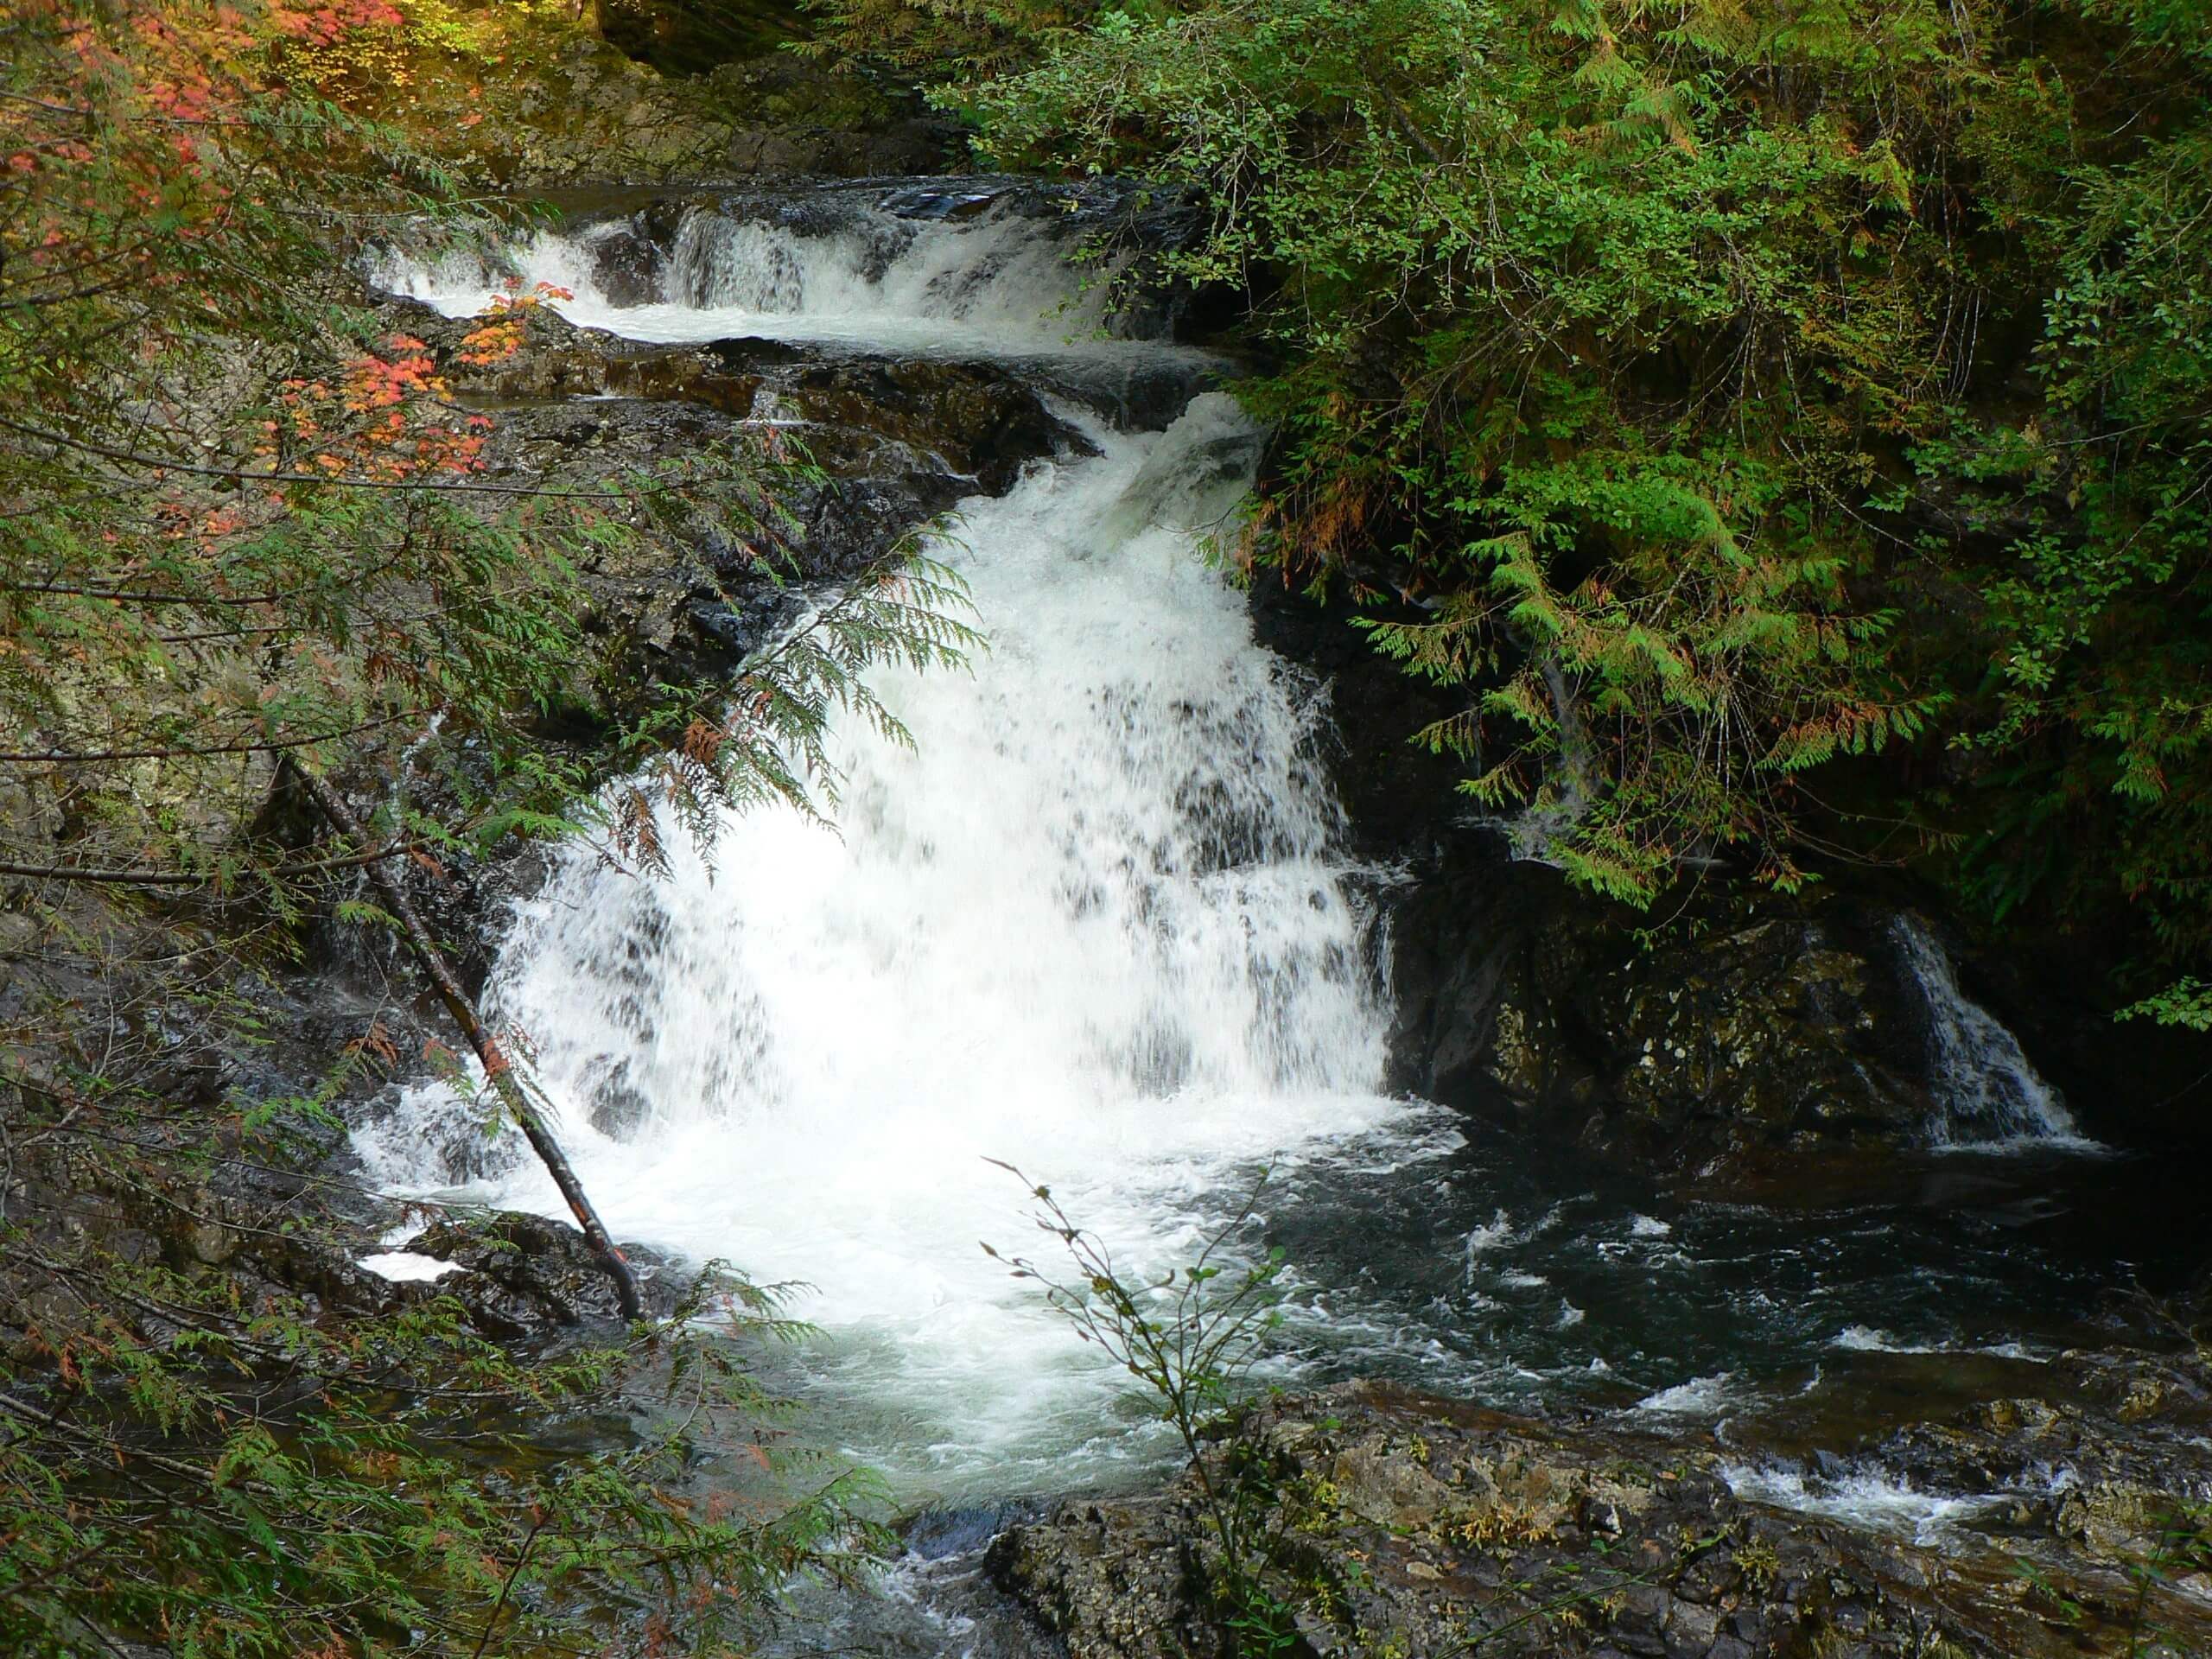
1401 1524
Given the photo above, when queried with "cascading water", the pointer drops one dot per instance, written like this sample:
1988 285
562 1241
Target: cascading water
906 271
1098 924
1094 924
1988 1094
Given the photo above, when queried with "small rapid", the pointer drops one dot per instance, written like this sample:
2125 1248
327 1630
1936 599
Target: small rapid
915 271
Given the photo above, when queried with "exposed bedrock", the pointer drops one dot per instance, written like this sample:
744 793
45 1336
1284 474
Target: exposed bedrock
1394 1522
1528 1003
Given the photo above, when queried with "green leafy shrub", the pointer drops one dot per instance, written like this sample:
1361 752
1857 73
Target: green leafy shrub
1190 1338
1785 425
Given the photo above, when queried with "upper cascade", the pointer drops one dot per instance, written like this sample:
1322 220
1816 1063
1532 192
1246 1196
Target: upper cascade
981 263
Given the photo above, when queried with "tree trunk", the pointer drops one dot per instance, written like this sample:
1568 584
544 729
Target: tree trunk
498 1071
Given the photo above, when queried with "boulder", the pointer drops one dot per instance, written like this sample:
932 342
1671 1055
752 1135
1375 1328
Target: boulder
1742 1028
529 1276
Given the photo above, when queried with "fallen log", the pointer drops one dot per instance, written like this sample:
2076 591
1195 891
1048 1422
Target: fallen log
498 1071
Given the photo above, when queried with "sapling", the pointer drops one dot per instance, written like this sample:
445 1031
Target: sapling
1191 1336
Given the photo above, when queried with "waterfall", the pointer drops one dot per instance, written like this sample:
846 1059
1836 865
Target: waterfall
888 270
1100 923
1095 923
1988 1092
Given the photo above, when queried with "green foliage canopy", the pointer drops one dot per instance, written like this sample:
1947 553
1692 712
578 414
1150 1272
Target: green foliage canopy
1725 395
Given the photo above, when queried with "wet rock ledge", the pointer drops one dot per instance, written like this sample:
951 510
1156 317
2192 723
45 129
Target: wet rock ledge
1418 1527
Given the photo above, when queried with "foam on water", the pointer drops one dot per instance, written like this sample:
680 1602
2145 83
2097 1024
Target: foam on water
1867 1339
1871 1498
1001 282
1700 1397
405 1267
1095 924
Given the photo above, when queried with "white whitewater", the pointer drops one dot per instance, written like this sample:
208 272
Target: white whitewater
1094 924
1988 1094
999 281
1873 1499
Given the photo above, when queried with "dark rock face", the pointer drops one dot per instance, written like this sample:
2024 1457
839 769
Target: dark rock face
916 143
1742 1029
1726 1028
1727 1025
1398 797
680 36
780 115
1406 1525
675 91
1739 1028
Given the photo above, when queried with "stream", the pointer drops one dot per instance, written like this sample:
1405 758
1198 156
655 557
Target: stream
1101 922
